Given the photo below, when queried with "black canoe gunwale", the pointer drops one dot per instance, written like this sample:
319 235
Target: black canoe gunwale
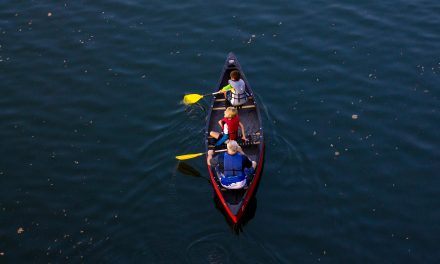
246 194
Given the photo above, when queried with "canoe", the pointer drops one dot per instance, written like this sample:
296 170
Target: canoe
234 202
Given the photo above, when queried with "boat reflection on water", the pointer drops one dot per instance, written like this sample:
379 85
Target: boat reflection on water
251 207
248 214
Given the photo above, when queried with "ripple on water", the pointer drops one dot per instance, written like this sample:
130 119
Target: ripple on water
291 164
222 248
207 250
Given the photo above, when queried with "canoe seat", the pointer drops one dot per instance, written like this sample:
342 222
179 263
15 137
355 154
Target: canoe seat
242 144
243 107
223 99
223 189
253 139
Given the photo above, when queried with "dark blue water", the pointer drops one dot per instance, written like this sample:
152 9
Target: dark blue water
91 119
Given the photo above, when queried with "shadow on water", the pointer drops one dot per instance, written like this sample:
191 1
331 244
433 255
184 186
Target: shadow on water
188 170
248 215
251 208
250 211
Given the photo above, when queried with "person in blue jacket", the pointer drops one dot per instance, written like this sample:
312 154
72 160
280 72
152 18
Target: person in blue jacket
233 166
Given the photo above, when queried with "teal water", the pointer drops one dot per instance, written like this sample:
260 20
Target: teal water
91 119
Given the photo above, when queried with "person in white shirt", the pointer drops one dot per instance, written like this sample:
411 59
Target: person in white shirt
237 95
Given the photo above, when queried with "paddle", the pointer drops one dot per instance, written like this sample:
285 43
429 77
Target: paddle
195 155
194 98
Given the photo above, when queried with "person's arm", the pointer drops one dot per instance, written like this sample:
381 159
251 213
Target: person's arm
220 123
240 150
243 134
247 163
211 160
209 156
227 88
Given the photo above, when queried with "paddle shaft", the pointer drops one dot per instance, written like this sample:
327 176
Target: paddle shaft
212 93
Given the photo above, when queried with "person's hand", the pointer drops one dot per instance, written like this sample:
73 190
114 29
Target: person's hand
244 138
209 157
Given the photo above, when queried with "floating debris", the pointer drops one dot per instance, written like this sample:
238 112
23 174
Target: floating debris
354 116
20 230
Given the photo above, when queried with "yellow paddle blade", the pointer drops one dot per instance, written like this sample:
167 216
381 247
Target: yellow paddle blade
189 156
192 98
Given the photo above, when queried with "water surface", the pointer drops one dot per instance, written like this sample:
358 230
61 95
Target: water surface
91 119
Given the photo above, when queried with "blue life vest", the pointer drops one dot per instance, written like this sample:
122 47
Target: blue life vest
233 165
232 169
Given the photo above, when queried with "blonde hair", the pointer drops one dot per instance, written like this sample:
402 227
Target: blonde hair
230 112
232 146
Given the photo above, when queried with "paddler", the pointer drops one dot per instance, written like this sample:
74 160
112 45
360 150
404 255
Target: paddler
233 167
237 89
229 125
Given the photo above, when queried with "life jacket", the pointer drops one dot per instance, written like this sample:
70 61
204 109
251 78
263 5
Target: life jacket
233 175
233 165
238 95
232 126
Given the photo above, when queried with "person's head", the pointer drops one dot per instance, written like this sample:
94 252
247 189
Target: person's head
235 75
232 147
230 112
